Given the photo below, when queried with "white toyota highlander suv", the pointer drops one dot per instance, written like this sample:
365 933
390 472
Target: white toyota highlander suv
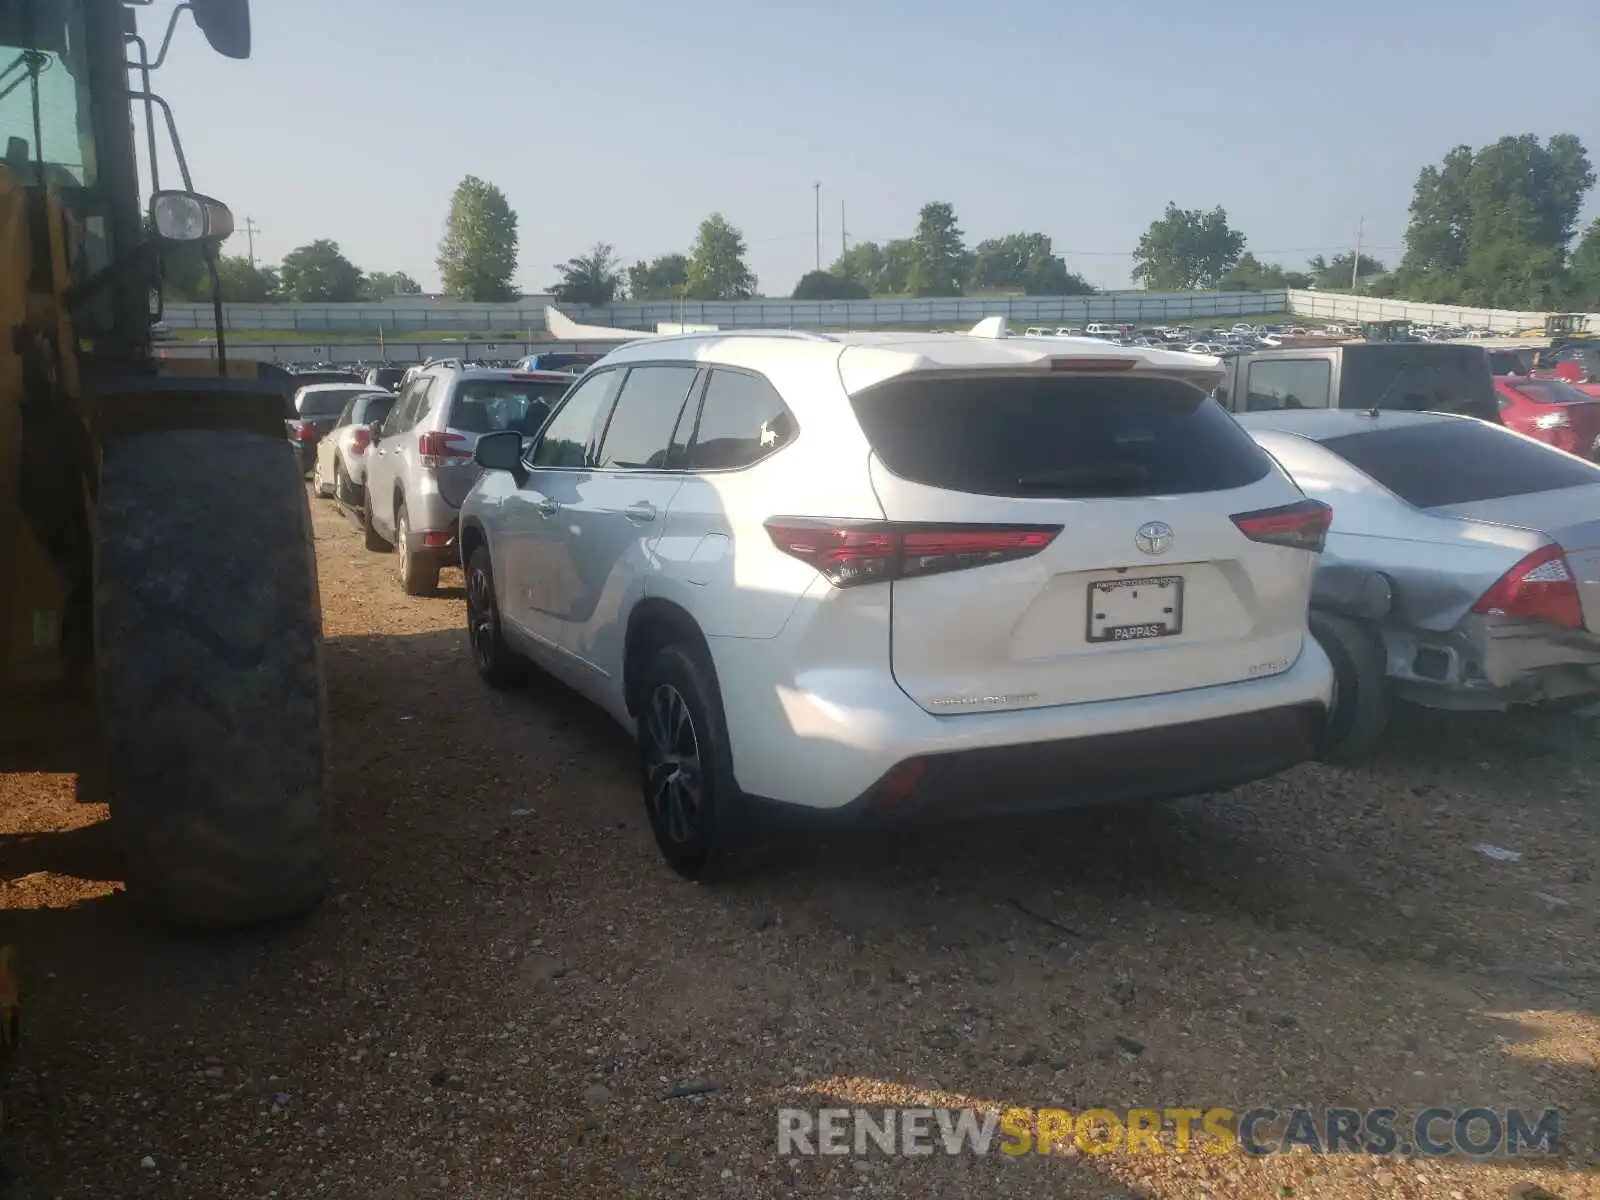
869 577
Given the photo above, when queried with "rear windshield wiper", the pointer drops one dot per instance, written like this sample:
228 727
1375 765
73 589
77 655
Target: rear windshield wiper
1069 480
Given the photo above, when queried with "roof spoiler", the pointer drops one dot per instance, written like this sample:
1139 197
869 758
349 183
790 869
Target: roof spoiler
565 329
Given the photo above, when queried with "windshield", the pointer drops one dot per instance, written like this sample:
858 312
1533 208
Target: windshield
44 90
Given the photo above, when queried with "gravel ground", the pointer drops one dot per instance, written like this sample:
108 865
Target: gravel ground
508 981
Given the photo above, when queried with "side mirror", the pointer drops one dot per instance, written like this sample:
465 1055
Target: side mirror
226 24
189 217
500 451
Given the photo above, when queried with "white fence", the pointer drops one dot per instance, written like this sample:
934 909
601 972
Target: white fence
524 320
371 352
526 317
1330 306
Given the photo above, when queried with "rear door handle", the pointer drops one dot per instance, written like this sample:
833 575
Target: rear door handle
642 511
548 508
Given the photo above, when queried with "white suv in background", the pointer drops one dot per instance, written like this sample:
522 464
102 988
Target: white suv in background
876 576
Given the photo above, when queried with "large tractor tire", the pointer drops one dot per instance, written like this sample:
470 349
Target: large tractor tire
208 635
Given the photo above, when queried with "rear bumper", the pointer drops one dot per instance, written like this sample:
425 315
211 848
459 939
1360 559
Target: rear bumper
307 453
827 738
1161 763
1489 664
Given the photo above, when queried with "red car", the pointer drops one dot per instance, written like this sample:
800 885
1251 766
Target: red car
1558 413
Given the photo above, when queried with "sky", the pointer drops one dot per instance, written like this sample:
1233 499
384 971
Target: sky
628 121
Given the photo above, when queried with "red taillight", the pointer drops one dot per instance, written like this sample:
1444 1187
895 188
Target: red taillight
437 541
1301 526
360 439
851 552
1539 588
437 447
1091 364
303 431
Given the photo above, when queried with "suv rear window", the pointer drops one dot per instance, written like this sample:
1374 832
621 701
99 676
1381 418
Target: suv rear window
1451 379
323 402
494 405
1055 435
1457 462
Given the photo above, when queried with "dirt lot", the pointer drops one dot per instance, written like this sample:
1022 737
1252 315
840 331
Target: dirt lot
509 982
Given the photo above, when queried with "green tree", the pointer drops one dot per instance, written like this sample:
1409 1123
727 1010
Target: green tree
662 278
899 256
717 269
1492 226
1186 250
864 264
245 283
478 255
383 284
319 273
1585 268
824 285
1334 275
938 253
1251 275
593 278
1022 262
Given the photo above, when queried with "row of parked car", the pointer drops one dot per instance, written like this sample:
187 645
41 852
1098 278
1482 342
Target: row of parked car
859 578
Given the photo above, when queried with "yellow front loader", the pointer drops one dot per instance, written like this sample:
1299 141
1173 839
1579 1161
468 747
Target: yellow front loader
160 626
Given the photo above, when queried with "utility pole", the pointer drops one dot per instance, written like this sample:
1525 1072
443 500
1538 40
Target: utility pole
1355 265
844 235
818 188
250 233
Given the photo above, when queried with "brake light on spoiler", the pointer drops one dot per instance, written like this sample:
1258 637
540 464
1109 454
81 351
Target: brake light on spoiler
847 553
1091 365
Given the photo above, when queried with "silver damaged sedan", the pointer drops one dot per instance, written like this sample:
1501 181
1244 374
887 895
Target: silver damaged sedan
1462 570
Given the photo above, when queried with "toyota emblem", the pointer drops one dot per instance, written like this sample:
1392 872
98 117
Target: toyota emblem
1154 537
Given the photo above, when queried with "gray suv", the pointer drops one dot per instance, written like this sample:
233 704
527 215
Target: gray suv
420 466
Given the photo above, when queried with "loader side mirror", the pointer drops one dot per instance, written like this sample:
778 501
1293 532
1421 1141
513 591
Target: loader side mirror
189 217
226 24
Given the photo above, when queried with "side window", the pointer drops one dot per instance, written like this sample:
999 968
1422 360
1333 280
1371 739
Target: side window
640 430
395 422
375 408
1288 383
742 420
683 432
569 437
427 390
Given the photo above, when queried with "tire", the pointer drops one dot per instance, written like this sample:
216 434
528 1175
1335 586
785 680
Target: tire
208 634
1359 718
319 487
370 537
498 665
681 713
418 576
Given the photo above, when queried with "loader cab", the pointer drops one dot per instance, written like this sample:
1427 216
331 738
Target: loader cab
66 97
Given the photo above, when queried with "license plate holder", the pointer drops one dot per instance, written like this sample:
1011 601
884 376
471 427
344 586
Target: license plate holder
1135 610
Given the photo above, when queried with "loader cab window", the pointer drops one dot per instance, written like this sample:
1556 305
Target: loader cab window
43 58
